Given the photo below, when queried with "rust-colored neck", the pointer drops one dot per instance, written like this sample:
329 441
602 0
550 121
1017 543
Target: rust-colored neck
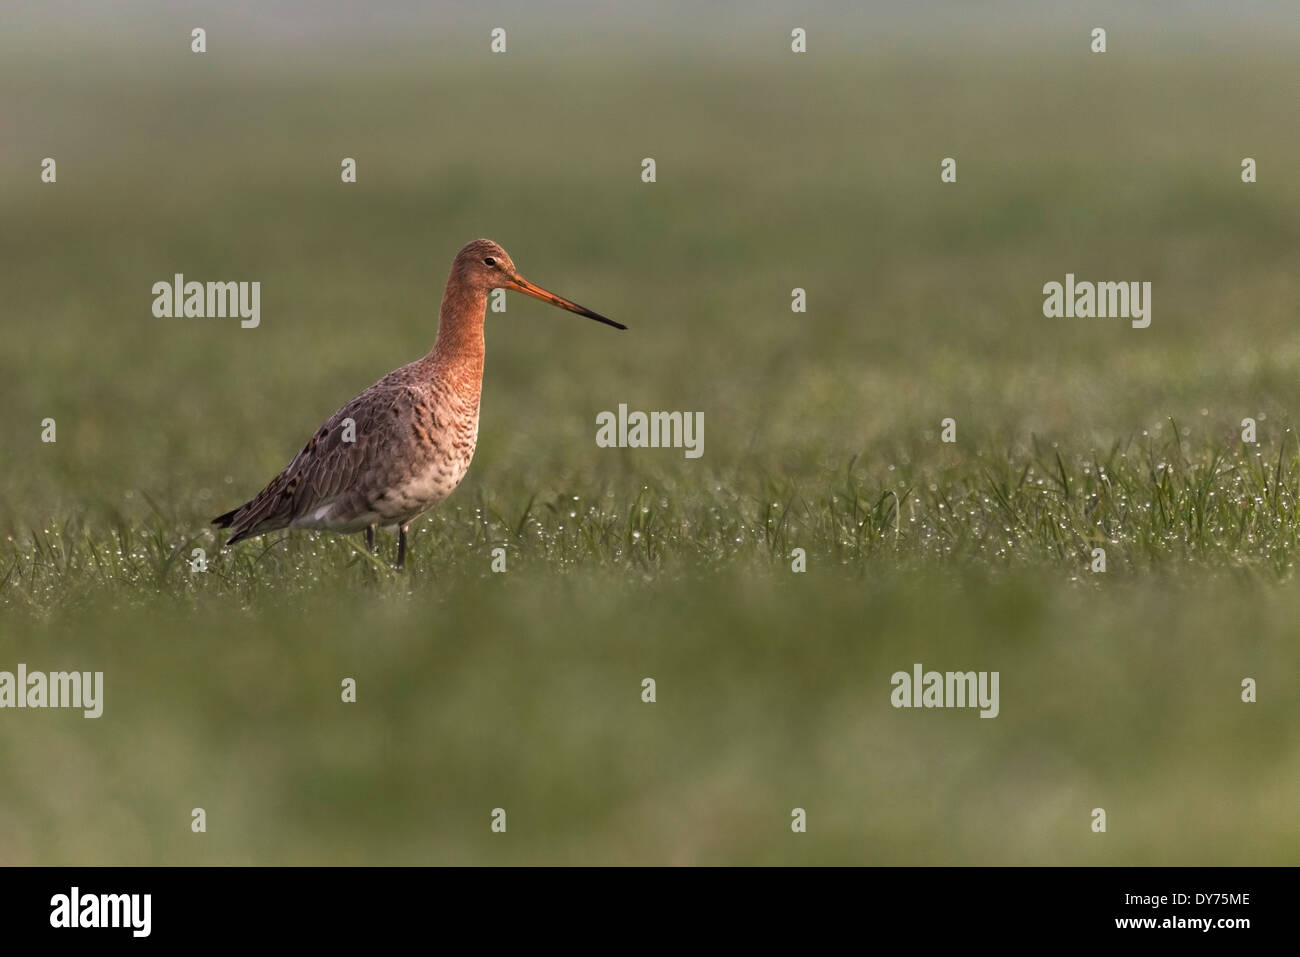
457 353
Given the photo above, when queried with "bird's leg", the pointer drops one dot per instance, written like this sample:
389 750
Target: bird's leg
401 545
370 539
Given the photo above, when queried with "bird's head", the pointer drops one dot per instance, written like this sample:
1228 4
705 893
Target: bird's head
483 265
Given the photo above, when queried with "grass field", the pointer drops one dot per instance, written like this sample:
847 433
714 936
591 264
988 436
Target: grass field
478 690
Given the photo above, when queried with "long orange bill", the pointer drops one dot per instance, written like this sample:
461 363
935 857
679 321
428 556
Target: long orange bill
520 284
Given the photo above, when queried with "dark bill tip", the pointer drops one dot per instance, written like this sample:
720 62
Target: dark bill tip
583 311
537 292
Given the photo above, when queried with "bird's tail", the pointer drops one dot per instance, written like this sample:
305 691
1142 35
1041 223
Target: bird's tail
228 519
254 517
236 519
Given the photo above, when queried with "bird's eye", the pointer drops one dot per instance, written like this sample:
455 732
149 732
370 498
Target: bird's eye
489 261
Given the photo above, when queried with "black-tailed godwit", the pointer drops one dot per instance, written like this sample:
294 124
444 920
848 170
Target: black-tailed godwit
411 435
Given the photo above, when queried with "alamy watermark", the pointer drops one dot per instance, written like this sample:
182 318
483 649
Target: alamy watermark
651 430
214 300
57 689
951 689
75 909
1101 300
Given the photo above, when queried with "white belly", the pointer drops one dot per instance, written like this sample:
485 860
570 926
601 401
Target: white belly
423 490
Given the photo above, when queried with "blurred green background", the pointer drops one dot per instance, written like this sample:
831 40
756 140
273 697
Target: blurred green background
775 171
